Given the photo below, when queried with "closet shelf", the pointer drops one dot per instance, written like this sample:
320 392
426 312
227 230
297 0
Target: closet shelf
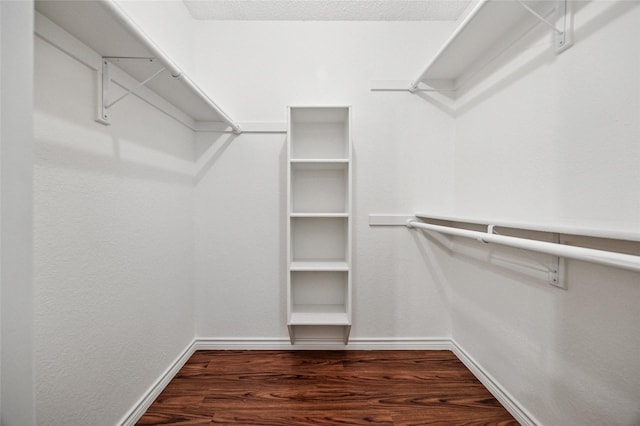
105 28
319 266
488 28
319 161
319 215
485 27
319 315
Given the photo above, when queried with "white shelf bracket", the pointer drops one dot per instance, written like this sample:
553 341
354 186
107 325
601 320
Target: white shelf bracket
562 33
103 96
557 275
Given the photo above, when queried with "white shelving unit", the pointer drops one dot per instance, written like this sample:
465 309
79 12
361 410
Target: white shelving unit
103 27
319 224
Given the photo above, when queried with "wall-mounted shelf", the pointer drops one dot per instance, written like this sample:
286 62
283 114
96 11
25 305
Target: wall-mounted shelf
105 28
489 24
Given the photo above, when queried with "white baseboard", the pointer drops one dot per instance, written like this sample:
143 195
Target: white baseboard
230 343
145 402
510 404
354 344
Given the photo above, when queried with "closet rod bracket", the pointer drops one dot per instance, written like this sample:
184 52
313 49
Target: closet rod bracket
557 274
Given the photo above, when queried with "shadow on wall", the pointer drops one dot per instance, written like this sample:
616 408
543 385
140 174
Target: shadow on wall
539 53
209 148
142 141
116 153
107 153
444 102
433 265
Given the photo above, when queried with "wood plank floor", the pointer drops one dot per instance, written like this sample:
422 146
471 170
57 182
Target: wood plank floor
325 388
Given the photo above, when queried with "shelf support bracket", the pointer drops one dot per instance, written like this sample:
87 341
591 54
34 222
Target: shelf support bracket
104 102
557 275
562 36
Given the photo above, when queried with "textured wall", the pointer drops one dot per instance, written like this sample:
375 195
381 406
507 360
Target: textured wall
16 70
537 137
113 246
319 10
546 138
402 161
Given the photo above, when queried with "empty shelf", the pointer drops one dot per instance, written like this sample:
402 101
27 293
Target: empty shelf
319 315
107 30
329 265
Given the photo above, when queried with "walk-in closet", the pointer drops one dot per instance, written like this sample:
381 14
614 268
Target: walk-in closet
320 212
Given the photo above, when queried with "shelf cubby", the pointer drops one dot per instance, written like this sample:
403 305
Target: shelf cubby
318 239
319 132
319 187
319 297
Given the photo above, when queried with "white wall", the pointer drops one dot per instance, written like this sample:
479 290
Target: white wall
546 138
402 161
537 137
16 71
174 39
113 245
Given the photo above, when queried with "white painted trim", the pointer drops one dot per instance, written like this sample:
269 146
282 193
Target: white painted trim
390 85
390 219
354 344
258 127
247 127
509 402
230 343
154 391
406 86
406 343
268 343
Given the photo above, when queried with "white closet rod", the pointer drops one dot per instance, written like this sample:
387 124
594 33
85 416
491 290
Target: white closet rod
120 16
618 260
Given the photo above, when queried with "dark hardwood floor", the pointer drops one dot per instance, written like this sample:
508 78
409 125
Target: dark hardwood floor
325 388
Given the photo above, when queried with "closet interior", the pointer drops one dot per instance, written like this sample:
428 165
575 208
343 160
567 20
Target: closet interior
466 181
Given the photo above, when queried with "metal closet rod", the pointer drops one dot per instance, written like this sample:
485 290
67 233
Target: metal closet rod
124 19
618 260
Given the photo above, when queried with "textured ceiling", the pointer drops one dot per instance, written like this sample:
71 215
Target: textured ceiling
327 10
